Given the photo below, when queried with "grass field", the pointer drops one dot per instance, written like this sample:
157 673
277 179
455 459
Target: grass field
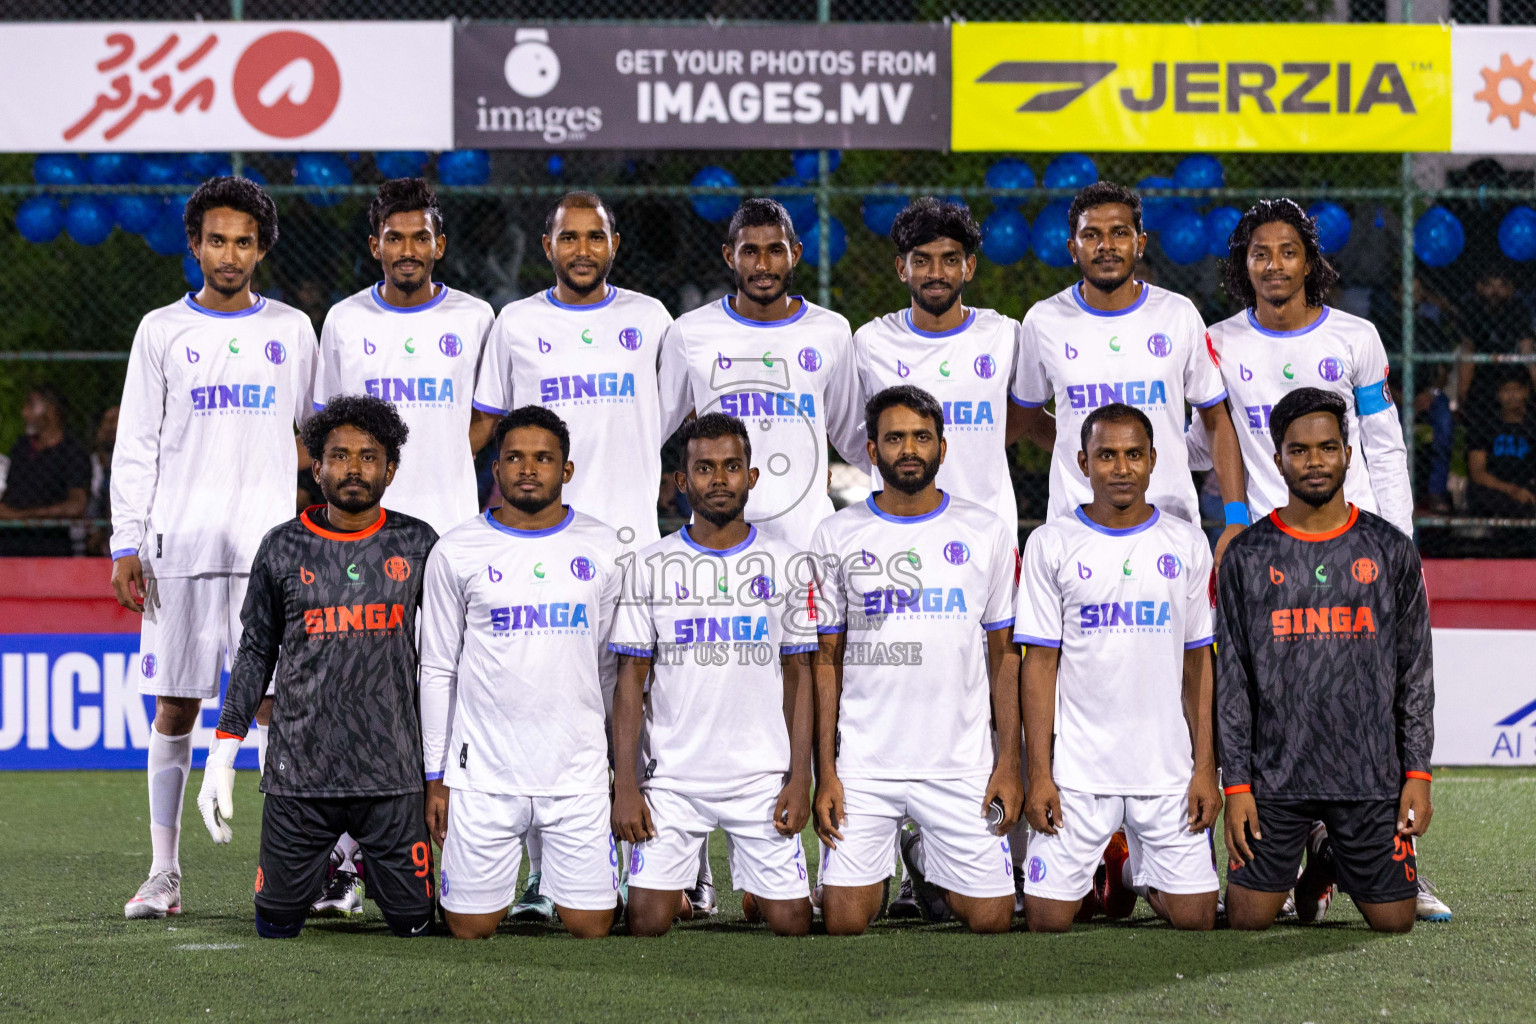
75 847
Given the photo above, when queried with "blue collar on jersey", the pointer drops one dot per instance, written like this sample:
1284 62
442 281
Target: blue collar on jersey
1077 297
870 501
687 536
970 318
613 293
1082 517
725 304
255 307
377 291
570 514
1253 322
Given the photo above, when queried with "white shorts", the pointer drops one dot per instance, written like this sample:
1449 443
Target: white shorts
191 628
483 850
960 853
1164 854
763 863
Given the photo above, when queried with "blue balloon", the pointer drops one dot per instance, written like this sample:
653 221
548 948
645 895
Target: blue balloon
464 167
326 171
112 168
1220 222
59 169
808 163
1156 210
1517 234
1332 225
202 166
837 242
714 208
1183 237
89 219
40 219
1438 237
1199 171
168 235
555 165
879 212
801 208
1070 170
401 163
192 272
136 212
1050 235
1009 173
252 174
1005 236
163 169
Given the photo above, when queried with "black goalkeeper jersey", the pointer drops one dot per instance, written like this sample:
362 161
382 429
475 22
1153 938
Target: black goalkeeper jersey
335 614
1324 681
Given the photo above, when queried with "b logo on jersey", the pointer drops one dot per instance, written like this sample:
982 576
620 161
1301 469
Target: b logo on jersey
582 567
148 666
450 345
397 569
630 338
810 359
1330 369
956 553
492 575
544 346
865 557
902 369
1170 566
985 366
369 348
1365 570
1276 576
305 576
276 353
192 356
723 361
1244 372
1160 345
1083 572
1071 352
761 587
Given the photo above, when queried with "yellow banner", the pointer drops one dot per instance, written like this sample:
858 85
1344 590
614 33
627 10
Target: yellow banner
1280 88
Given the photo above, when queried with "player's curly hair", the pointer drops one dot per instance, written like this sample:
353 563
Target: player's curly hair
1115 412
373 416
1103 193
907 396
531 416
580 201
761 212
927 219
1321 276
403 195
240 194
1304 402
712 426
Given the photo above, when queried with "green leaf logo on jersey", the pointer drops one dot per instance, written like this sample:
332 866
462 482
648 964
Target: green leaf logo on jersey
538 569
768 359
1287 371
352 573
1125 567
234 349
912 557
723 587
1112 346
1321 573
586 336
409 347
944 368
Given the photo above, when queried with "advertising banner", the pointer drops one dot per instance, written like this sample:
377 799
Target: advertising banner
220 85
1493 90
1282 88
1485 696
639 86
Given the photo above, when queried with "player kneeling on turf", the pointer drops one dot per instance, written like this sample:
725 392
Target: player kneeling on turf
721 612
1115 610
519 602
1325 699
337 590
915 670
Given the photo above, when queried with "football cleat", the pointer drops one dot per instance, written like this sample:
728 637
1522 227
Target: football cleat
158 896
1429 906
701 901
815 901
929 897
1018 890
341 897
1314 886
1288 908
1091 905
532 907
1118 900
904 906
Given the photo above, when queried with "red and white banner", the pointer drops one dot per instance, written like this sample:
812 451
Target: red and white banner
224 85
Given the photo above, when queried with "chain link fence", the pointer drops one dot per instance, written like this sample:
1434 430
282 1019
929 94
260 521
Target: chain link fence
1460 336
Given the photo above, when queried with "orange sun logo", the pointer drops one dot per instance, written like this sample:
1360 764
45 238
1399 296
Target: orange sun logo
1508 71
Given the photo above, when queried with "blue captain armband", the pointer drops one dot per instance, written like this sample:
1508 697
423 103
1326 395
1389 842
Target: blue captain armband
1237 513
1373 398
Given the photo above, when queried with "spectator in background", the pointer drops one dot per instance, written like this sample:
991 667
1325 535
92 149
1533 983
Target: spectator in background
99 506
1495 320
49 478
1501 453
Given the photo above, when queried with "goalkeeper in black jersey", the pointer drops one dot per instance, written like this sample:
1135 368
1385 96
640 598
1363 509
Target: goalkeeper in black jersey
337 590
1325 687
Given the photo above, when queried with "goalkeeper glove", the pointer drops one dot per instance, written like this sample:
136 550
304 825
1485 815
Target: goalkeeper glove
216 800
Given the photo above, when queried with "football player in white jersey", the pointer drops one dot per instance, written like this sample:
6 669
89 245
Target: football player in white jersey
588 351
963 355
721 612
518 604
203 467
1114 604
1111 338
905 717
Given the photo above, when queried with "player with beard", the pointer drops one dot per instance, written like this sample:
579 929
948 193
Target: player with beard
518 606
1325 689
586 350
203 467
720 612
917 686
1112 338
334 592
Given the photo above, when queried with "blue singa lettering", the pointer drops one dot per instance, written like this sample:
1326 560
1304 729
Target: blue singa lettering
234 396
1129 392
747 404
967 413
1124 613
591 385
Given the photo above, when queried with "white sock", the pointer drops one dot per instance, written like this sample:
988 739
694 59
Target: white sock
261 748
534 843
1127 881
705 873
170 761
346 848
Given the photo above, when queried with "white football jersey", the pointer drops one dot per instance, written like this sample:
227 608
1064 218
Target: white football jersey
715 624
513 623
1123 606
917 700
1151 355
1337 352
595 367
422 359
968 369
205 460
792 381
